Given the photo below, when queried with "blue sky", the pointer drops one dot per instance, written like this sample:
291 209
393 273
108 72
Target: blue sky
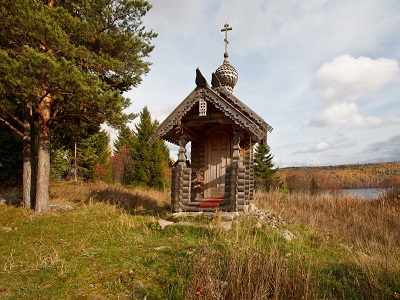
324 74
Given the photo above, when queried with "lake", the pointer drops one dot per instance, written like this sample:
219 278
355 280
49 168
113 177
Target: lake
370 193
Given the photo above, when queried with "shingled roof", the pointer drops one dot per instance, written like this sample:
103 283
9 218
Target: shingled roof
232 107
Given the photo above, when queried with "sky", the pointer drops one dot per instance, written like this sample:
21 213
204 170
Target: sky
324 74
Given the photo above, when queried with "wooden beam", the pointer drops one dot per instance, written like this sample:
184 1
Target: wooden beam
191 134
197 121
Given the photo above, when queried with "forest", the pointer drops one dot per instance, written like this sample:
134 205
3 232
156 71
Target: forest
370 175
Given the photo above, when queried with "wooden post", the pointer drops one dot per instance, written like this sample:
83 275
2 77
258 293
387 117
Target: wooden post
236 146
233 186
182 149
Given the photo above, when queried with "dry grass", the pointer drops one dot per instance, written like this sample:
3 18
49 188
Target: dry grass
350 252
247 268
140 200
359 221
366 232
110 247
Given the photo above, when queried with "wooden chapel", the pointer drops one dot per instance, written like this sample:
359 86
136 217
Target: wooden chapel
222 131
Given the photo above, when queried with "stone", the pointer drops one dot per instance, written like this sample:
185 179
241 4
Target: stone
225 225
252 207
228 216
288 235
61 207
164 223
186 214
6 229
160 248
258 225
184 223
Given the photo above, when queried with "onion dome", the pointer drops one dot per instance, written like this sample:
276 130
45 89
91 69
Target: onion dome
227 74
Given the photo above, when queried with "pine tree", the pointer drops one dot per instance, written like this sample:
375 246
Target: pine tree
148 161
126 138
264 171
61 161
68 60
121 162
93 151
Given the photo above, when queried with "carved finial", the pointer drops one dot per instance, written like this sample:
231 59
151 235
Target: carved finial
200 80
226 29
215 81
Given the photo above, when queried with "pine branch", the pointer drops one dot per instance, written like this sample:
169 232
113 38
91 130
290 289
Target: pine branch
11 127
11 115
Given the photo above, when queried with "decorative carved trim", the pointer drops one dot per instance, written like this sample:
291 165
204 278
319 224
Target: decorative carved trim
243 107
174 118
234 114
232 107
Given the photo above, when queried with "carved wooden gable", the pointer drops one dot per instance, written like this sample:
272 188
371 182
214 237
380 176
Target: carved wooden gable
207 103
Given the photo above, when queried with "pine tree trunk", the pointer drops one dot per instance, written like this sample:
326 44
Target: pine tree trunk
26 154
33 160
43 169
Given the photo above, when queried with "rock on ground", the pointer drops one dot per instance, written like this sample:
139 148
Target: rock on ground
288 235
61 207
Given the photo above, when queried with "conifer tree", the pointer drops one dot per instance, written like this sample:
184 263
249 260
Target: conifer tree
61 161
264 171
148 161
126 137
121 162
68 60
93 151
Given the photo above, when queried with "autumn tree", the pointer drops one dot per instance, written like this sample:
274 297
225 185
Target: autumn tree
68 60
121 166
392 192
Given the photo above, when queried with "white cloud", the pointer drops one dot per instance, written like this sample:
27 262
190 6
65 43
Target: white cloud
346 79
344 114
312 161
338 142
321 146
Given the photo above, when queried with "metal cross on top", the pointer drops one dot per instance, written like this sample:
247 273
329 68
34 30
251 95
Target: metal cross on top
226 29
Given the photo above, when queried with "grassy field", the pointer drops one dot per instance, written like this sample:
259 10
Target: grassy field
110 246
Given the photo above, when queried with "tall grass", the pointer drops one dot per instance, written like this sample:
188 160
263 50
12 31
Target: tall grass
110 247
248 264
349 250
136 199
360 221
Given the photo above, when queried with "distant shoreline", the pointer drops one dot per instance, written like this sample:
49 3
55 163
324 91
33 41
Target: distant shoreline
349 176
